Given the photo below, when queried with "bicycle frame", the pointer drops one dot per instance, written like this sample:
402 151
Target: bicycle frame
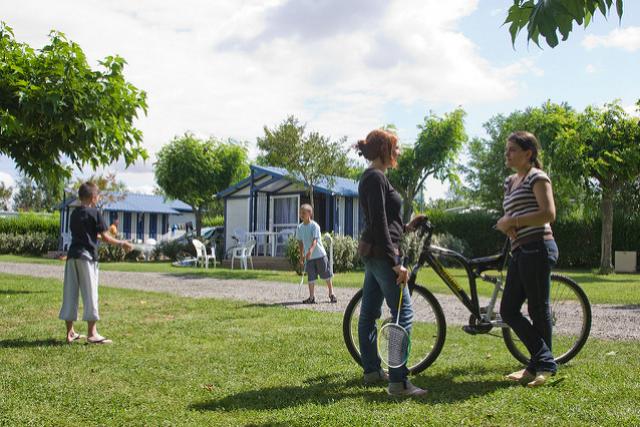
473 268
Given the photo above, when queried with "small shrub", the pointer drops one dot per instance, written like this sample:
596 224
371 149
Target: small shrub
412 245
172 248
110 253
213 221
448 241
292 253
345 253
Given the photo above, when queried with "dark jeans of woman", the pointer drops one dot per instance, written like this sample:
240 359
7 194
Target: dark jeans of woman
379 286
529 278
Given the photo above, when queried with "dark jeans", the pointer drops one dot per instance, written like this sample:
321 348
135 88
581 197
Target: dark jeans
380 285
529 278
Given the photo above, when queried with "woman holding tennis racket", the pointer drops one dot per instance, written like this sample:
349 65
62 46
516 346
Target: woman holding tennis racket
385 276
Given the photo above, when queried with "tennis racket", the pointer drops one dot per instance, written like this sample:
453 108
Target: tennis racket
304 269
394 342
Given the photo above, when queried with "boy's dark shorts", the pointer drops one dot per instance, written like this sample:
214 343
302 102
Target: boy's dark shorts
318 267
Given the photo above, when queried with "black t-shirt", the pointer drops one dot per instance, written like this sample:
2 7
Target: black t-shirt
85 224
382 209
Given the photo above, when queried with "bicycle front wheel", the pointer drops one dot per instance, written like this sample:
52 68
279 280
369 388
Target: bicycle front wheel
428 330
571 317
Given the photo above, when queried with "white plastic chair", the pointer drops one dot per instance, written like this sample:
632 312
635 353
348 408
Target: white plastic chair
243 253
202 257
240 235
66 241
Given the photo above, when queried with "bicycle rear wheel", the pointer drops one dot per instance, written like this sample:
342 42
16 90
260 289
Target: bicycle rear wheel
428 330
571 317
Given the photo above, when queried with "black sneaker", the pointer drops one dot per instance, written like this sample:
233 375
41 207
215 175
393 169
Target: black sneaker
310 300
333 298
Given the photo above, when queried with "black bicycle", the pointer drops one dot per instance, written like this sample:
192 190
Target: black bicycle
571 310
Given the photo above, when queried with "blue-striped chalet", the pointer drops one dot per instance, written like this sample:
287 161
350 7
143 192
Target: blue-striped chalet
267 203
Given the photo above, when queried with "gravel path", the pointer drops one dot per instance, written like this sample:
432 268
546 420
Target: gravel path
619 322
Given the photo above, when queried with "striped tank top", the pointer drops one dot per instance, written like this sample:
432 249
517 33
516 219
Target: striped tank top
521 200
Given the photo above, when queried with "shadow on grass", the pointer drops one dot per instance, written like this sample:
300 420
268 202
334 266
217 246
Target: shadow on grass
13 292
224 275
272 304
594 278
21 343
327 389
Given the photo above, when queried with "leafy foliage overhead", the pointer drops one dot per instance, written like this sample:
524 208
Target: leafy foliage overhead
55 109
547 18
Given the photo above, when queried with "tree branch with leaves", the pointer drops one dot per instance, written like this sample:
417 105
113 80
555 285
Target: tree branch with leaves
435 153
547 18
307 156
55 109
194 170
603 149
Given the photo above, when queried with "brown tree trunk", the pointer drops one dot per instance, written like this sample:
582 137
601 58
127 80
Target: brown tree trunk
606 209
198 213
407 208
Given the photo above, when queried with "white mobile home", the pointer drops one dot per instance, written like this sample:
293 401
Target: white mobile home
141 216
267 202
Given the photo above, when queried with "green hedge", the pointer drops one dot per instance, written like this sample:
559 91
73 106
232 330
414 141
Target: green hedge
31 222
578 239
35 243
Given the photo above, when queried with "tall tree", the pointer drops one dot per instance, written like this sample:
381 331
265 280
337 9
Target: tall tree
486 171
308 157
435 153
547 18
5 196
111 189
604 150
55 109
194 170
37 196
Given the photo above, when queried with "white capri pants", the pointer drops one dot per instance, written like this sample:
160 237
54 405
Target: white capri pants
80 275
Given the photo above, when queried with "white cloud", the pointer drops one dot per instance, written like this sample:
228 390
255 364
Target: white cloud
632 110
590 68
7 179
227 68
622 38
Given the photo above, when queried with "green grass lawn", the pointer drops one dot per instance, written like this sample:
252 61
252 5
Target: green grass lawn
182 361
611 289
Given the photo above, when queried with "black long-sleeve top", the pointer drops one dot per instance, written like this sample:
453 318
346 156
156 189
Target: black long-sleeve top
381 206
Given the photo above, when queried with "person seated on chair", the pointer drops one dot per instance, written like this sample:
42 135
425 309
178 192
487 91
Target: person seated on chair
312 254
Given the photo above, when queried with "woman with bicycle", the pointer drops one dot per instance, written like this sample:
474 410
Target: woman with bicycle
528 209
379 249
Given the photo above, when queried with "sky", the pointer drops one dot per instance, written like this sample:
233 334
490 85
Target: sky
228 68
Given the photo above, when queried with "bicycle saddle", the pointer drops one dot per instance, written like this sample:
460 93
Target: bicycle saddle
492 262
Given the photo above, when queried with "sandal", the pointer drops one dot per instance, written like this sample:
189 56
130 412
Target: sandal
75 337
333 298
310 300
100 340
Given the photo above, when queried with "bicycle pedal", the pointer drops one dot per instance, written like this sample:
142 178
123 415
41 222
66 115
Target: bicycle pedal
470 330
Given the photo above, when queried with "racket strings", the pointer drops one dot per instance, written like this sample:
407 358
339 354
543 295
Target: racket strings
394 345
